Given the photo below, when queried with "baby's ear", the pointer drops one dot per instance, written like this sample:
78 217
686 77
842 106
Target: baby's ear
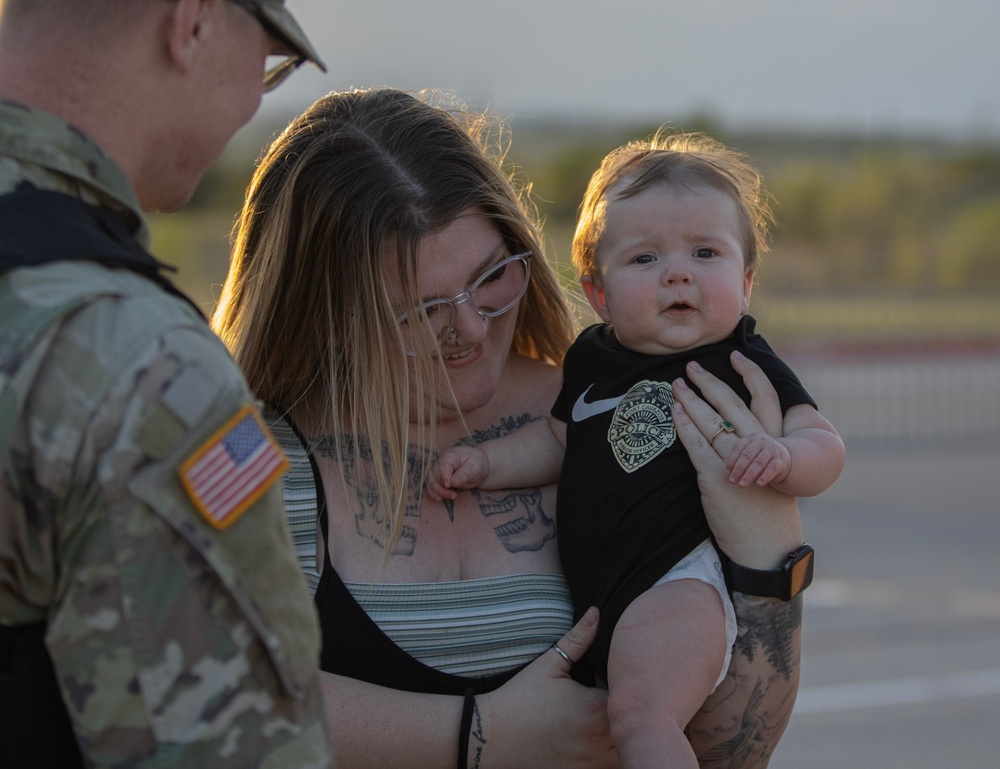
747 289
595 295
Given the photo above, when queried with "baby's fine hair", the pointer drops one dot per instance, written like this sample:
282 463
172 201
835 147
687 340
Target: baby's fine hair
690 160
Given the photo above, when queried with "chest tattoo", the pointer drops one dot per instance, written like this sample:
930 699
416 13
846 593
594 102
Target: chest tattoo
357 461
521 522
518 516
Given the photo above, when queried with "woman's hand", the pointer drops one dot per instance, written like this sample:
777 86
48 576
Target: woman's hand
764 414
740 724
542 717
754 526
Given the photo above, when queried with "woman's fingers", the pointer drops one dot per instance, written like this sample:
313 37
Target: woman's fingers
764 401
706 424
721 415
720 402
704 455
752 525
572 646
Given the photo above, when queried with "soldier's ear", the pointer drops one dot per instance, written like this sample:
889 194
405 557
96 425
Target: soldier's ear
190 25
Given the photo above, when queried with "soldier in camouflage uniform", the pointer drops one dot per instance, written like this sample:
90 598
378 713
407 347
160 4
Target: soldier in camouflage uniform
141 530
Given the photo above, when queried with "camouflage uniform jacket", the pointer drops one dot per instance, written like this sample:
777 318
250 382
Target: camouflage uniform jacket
179 624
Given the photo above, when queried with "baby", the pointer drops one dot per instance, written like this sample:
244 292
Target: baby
666 248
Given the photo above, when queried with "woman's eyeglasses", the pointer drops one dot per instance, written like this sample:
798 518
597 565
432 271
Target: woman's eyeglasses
491 294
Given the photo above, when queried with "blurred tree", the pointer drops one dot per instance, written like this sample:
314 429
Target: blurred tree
878 214
970 247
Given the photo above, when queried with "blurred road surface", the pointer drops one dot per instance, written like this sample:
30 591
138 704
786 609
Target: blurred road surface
901 660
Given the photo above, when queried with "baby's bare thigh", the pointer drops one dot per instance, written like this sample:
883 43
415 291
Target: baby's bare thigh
668 648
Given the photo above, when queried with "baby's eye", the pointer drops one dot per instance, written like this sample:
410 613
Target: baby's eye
645 259
703 253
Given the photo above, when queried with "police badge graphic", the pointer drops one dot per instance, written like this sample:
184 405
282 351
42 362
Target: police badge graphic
642 425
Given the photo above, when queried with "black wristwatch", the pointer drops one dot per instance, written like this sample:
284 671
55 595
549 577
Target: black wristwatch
787 581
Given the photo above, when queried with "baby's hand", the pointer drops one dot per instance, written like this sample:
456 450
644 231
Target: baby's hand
758 458
460 467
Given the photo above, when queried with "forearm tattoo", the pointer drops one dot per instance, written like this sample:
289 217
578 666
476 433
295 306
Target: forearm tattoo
771 631
522 524
477 741
742 722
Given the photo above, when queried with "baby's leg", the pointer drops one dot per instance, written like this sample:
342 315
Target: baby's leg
667 653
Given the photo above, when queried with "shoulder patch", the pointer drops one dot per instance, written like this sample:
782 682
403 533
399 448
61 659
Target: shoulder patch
232 469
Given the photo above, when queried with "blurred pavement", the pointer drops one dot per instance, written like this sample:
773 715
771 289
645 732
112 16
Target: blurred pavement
901 639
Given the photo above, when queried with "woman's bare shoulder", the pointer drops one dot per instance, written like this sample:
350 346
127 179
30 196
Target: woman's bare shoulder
534 379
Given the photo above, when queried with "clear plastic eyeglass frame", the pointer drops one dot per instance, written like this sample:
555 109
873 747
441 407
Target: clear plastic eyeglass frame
493 293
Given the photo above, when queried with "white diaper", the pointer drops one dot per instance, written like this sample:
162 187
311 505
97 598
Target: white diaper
703 564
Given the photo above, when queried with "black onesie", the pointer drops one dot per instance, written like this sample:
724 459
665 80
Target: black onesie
629 506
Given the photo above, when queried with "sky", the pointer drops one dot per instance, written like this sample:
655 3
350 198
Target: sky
917 67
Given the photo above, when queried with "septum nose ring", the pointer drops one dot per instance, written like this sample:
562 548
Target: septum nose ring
453 334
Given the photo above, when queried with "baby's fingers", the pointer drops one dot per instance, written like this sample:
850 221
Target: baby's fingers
737 461
746 462
439 491
441 481
460 479
741 461
770 472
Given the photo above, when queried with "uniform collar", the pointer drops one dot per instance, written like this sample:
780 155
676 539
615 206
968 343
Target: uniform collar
38 138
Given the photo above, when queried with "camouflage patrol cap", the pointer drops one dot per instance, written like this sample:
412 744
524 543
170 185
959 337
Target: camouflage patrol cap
283 25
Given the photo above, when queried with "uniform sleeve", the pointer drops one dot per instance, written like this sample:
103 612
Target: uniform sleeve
181 630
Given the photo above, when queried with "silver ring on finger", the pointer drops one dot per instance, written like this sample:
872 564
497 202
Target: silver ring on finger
725 427
562 654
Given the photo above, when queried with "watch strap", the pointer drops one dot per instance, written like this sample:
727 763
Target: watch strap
793 576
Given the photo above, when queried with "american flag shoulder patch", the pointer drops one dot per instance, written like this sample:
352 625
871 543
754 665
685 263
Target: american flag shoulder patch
232 469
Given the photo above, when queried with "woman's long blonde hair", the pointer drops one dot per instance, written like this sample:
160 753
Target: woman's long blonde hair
305 309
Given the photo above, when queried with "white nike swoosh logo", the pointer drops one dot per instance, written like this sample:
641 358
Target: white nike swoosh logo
583 410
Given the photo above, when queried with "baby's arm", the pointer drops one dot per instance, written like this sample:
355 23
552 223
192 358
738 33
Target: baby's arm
531 456
804 462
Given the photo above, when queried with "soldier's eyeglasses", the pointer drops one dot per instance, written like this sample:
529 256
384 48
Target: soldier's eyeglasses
279 65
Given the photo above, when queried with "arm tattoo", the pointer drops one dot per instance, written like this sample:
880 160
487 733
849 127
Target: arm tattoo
770 627
740 724
476 738
749 744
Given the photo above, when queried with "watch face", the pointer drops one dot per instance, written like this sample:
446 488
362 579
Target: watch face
801 573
